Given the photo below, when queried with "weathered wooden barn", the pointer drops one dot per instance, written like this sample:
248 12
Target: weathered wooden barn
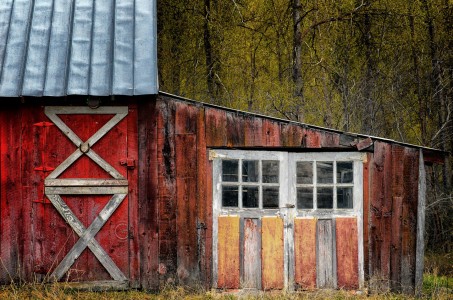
107 182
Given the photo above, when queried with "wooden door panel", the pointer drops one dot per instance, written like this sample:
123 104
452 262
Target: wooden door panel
305 252
347 253
325 254
273 253
54 237
251 265
228 252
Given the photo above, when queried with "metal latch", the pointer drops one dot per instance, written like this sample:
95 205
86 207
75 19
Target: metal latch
129 163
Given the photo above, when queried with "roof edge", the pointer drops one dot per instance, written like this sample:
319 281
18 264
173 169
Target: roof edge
442 152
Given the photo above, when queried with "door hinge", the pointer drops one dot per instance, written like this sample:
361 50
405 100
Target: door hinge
129 163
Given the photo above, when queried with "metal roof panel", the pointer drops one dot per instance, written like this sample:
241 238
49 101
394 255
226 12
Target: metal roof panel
78 47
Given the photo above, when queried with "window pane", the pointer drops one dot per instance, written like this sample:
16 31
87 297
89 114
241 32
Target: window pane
270 197
344 172
250 196
304 198
230 170
325 197
325 171
270 171
304 172
344 197
230 196
250 171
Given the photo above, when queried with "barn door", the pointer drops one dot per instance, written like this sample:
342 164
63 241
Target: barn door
85 230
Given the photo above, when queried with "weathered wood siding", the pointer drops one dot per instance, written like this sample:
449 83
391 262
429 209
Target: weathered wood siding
305 253
172 238
392 225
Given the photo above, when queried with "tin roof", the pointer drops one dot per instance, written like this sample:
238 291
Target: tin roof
78 47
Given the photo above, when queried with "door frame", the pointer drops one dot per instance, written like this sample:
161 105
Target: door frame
288 210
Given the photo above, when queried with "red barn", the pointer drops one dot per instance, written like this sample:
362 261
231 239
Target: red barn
106 182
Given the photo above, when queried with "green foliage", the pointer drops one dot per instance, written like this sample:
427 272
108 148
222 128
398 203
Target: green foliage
378 67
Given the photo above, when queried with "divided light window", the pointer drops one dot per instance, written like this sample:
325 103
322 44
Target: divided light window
250 183
325 184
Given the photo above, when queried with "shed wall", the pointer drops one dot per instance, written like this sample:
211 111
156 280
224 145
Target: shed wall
174 242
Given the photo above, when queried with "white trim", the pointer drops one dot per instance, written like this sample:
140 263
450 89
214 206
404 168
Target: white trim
288 199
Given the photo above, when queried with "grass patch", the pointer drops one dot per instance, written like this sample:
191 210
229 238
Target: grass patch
434 287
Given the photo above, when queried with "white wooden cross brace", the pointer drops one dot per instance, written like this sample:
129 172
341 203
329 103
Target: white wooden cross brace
118 186
87 237
85 147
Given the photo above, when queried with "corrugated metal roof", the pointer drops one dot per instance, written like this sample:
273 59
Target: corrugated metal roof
78 47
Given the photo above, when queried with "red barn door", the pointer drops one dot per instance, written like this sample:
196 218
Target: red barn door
84 229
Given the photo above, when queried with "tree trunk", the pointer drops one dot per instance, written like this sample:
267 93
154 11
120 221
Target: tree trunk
297 60
367 117
208 51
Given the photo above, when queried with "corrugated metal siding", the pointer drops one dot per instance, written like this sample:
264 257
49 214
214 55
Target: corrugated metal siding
78 47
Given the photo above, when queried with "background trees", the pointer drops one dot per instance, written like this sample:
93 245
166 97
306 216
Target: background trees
381 67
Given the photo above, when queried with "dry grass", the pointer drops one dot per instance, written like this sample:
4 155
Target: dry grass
434 288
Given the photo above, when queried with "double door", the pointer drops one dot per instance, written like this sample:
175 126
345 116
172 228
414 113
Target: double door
287 220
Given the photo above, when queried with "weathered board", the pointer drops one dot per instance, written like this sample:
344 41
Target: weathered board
305 253
251 254
325 265
272 253
347 253
228 252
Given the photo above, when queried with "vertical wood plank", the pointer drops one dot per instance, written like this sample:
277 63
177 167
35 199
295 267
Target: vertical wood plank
132 177
312 139
165 112
330 139
204 255
10 192
251 127
215 127
186 183
251 265
272 253
271 131
397 194
347 253
228 252
366 216
305 253
147 194
420 248
30 180
292 135
380 207
409 220
325 254
235 129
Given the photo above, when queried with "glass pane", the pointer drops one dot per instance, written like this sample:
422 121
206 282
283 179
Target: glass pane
270 171
250 171
230 196
250 196
304 198
325 197
345 172
325 171
304 172
230 169
270 197
344 197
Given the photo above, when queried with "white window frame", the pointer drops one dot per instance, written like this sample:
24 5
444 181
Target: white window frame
288 199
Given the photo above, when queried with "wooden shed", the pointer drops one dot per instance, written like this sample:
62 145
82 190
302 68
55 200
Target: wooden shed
105 181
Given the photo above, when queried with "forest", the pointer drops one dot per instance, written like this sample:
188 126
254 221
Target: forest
377 67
